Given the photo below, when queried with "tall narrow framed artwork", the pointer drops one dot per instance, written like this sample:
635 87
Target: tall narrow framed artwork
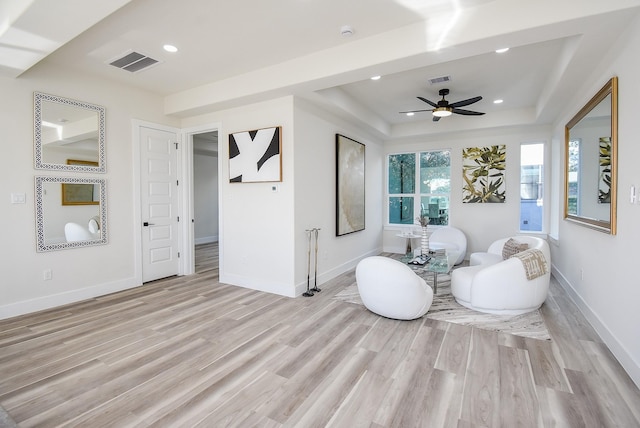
483 171
350 184
255 156
604 177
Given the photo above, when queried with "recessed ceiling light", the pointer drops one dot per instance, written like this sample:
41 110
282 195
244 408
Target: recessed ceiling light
410 113
170 48
503 50
376 77
498 101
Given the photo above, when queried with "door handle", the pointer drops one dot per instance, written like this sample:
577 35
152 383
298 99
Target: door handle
146 223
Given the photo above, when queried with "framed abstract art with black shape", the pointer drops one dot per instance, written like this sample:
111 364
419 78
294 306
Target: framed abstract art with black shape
255 156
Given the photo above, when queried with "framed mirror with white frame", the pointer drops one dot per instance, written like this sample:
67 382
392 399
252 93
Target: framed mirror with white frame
68 129
63 225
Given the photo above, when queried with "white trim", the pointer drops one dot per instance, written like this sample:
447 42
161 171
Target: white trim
623 356
335 272
52 301
206 240
188 209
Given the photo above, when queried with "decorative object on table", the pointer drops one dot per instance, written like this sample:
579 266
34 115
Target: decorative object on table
604 179
350 183
255 156
420 260
483 173
423 219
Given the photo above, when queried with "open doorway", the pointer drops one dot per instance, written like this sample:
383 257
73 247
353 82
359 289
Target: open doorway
206 234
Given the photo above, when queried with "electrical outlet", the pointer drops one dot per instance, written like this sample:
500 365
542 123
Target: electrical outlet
47 274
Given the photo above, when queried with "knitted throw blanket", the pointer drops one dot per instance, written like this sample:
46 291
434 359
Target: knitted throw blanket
534 262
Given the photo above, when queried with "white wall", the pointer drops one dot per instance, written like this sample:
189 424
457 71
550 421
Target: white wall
481 223
77 273
205 192
608 289
315 195
263 239
256 236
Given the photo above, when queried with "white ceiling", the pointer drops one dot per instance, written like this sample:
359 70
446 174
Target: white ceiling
234 52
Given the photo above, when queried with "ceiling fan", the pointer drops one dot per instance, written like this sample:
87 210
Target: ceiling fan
442 108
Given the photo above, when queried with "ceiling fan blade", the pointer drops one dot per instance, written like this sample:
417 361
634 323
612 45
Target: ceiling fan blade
431 103
414 111
465 102
436 118
467 112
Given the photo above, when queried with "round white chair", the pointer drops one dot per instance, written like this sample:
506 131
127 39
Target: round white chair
392 289
449 238
496 285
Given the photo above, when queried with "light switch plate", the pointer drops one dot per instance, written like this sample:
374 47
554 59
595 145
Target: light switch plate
18 198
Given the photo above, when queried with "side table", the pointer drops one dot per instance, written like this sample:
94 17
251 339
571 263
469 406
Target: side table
409 250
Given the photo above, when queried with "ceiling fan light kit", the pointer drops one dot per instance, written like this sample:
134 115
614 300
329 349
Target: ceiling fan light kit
443 109
442 112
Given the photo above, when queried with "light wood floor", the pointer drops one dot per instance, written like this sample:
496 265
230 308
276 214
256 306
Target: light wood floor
189 351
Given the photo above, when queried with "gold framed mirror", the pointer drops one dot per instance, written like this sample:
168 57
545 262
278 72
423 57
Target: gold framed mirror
591 161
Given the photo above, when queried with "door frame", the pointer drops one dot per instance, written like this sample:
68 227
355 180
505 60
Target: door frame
188 209
136 126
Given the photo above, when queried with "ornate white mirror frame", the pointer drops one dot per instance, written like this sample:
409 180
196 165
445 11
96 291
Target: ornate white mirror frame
81 221
591 162
68 129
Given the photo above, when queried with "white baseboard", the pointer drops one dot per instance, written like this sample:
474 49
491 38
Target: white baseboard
206 240
617 349
258 285
334 273
52 301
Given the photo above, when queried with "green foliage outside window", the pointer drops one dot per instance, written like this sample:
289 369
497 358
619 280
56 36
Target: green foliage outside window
434 182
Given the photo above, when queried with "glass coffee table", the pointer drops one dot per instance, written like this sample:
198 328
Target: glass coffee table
441 262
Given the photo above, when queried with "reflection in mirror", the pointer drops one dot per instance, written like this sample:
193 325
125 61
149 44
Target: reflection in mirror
67 129
79 224
591 161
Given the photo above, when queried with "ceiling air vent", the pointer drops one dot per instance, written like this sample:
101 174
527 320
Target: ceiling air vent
437 80
133 62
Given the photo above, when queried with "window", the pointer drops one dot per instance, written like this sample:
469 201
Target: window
419 182
574 179
531 186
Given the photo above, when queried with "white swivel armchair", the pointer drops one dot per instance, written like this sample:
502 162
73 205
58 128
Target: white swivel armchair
502 283
449 238
392 289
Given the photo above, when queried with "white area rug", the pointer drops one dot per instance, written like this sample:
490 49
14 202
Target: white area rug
445 308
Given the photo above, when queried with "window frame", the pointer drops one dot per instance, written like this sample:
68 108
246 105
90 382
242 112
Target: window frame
542 188
417 194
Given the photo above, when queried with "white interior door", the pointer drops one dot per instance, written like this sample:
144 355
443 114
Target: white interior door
159 203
